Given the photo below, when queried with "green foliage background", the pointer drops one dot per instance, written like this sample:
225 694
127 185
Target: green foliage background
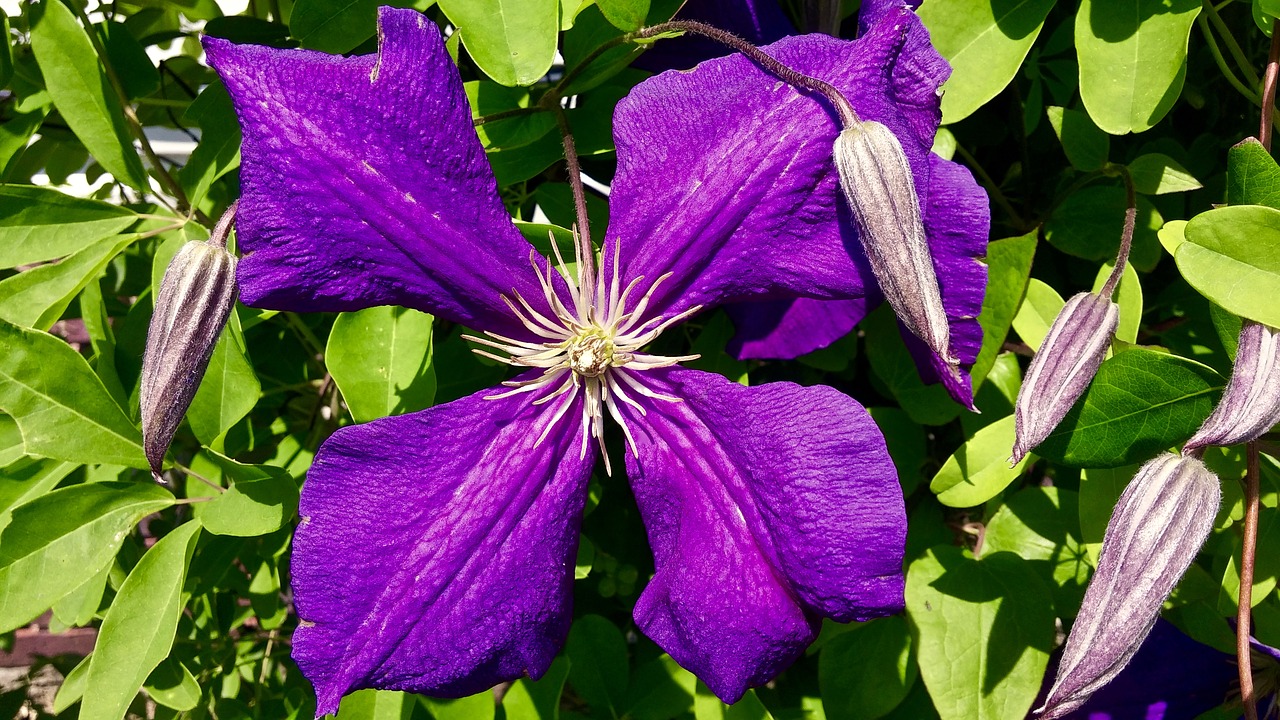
187 583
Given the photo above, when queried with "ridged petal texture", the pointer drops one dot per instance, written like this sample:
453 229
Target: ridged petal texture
1158 526
725 177
435 552
767 509
1063 367
191 308
1250 406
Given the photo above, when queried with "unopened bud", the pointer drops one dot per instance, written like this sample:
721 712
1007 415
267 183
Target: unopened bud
191 308
1158 526
1062 368
1250 406
876 179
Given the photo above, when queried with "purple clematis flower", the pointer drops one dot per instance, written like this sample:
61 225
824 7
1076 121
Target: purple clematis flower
435 550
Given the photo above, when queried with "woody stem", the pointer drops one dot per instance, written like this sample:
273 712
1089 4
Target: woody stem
1245 602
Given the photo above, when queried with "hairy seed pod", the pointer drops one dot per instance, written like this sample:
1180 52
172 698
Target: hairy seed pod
1158 526
1250 405
195 299
877 182
1062 368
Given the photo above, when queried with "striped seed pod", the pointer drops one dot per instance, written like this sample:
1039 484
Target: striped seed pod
1158 526
1250 405
876 179
1062 368
195 299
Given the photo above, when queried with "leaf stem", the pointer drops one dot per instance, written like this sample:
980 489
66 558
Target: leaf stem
1266 119
135 125
1228 38
1221 61
1248 552
1126 234
991 187
503 115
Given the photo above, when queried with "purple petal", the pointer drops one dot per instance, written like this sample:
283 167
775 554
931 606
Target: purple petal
726 178
872 11
435 551
365 184
790 328
766 508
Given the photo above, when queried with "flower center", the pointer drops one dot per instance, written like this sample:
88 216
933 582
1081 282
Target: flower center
588 348
591 353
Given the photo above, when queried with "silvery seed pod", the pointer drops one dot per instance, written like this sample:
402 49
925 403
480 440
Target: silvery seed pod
876 179
1158 526
1250 405
195 299
1062 368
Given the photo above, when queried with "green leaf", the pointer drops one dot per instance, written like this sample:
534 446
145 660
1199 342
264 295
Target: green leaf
1086 146
219 150
1133 59
866 672
983 631
381 359
894 366
1128 297
528 699
475 707
61 407
1141 402
93 310
259 498
72 688
79 607
172 685
985 43
1157 174
487 98
1088 223
333 26
28 479
1039 524
625 14
513 41
37 297
229 389
906 442
38 224
59 540
1253 178
138 75
1100 489
14 138
1232 257
376 705
1008 269
1172 234
598 666
139 627
979 469
6 52
659 689
1040 307
79 89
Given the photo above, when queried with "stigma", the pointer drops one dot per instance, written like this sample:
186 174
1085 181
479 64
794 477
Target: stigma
591 346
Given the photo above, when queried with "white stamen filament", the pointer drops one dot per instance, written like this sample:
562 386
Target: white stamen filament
593 346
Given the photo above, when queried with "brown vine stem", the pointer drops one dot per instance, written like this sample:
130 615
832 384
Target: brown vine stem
1126 235
1248 551
575 182
847 114
1266 118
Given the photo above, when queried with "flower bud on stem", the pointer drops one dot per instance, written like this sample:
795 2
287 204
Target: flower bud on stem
191 308
1158 526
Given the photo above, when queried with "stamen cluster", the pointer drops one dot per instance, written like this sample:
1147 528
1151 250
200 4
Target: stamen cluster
590 346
